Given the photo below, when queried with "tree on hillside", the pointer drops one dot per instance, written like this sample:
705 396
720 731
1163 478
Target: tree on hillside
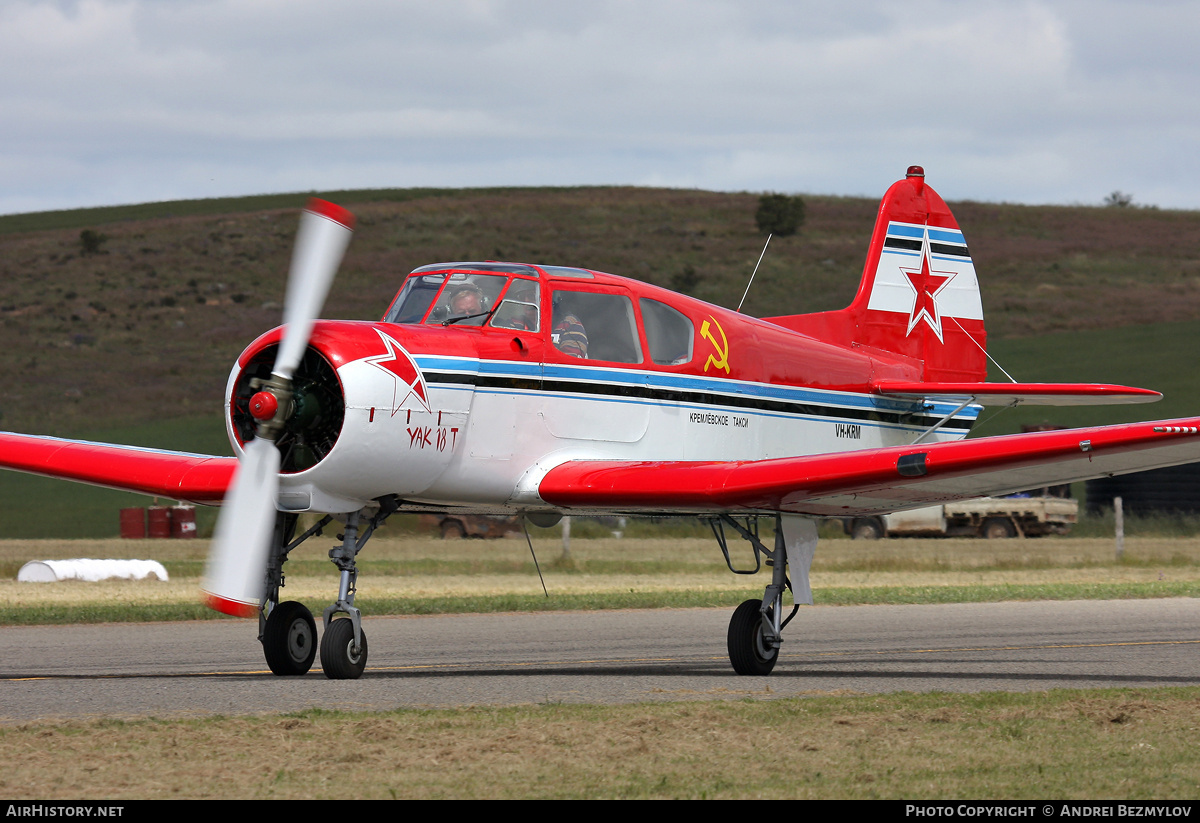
1118 200
91 241
685 281
779 214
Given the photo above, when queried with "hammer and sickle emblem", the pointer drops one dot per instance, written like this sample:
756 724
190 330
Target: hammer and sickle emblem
721 358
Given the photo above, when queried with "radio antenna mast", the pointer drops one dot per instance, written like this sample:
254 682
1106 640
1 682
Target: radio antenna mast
756 265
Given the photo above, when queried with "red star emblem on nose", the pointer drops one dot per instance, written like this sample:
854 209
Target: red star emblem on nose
396 362
927 285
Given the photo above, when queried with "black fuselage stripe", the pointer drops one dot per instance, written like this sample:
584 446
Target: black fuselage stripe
694 397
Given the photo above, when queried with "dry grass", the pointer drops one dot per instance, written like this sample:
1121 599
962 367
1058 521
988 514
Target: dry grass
423 568
686 552
1069 744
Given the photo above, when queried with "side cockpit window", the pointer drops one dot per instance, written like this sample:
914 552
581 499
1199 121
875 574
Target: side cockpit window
521 307
595 326
669 333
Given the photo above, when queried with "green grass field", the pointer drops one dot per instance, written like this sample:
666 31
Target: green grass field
40 507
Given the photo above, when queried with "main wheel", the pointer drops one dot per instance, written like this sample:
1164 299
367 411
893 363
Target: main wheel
290 639
996 528
748 651
339 657
866 528
453 530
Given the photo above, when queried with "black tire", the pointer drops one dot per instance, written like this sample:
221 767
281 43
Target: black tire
339 659
866 528
290 639
746 650
996 528
453 530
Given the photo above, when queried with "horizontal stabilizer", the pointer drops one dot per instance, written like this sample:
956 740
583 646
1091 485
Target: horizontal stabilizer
1011 394
197 478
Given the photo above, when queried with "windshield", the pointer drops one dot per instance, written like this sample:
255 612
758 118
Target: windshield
463 299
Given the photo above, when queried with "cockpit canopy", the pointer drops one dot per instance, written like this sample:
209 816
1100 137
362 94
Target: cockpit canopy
584 315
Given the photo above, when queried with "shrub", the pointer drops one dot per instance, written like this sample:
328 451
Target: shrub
685 281
779 214
91 241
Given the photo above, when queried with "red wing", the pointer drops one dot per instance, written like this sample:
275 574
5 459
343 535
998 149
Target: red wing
1030 394
875 481
196 478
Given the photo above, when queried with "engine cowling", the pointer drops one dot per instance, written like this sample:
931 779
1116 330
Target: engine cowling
318 409
360 425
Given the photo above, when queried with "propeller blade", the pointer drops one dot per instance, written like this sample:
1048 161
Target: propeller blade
235 577
325 230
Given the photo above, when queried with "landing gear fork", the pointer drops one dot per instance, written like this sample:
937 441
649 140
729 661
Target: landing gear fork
756 628
344 651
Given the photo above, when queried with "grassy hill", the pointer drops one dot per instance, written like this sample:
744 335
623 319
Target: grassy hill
132 340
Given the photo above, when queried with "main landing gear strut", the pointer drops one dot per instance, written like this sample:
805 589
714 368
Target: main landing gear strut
756 628
288 631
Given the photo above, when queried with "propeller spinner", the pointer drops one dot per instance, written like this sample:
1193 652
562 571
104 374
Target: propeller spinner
235 578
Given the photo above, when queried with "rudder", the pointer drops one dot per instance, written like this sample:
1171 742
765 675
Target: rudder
919 296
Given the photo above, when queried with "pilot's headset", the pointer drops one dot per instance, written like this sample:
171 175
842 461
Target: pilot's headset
469 288
561 307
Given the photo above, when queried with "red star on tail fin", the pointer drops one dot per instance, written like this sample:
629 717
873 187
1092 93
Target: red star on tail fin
926 284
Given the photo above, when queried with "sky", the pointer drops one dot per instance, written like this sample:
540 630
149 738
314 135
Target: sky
106 102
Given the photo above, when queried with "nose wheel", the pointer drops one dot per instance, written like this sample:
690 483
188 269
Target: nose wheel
341 658
290 639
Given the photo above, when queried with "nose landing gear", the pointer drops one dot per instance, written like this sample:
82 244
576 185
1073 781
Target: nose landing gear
288 631
342 657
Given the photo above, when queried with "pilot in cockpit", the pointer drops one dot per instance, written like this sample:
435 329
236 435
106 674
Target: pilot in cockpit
467 301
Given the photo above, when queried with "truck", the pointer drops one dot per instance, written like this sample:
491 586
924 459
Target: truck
989 517
457 526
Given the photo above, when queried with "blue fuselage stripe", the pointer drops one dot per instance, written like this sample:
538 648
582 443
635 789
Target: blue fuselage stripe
658 389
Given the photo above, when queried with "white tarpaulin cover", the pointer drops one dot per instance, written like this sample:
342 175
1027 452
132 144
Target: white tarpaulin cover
49 571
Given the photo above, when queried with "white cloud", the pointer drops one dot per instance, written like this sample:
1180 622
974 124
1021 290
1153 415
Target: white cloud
1036 101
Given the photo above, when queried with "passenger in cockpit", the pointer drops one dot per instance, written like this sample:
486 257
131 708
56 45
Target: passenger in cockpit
570 336
520 307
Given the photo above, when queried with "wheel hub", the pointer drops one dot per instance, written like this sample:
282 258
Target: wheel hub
299 640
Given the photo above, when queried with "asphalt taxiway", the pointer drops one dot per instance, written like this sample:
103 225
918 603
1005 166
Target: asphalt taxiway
216 667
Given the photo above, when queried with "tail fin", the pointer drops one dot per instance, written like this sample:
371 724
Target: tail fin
919 297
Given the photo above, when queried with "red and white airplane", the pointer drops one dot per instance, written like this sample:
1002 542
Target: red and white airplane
546 390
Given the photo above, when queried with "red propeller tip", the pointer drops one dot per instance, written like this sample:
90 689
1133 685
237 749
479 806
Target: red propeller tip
232 608
332 211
